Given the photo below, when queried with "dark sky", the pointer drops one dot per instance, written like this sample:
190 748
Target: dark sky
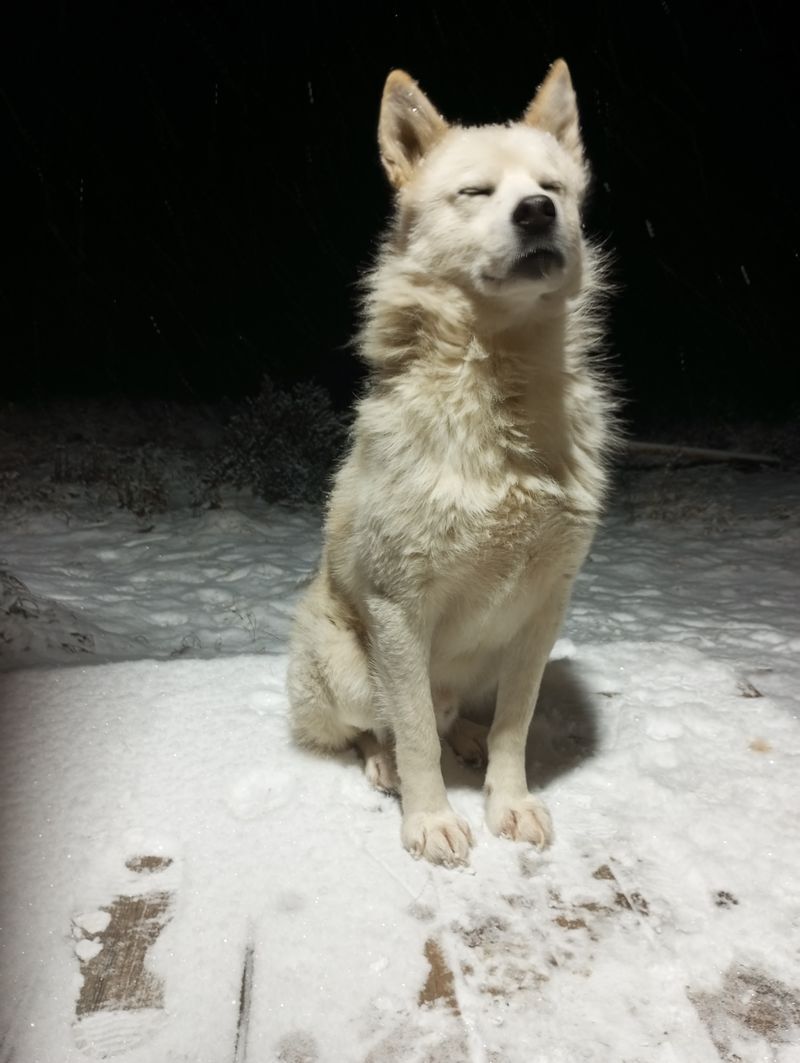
195 186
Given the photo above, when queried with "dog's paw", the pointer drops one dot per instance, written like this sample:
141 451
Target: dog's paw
381 772
522 820
468 741
441 837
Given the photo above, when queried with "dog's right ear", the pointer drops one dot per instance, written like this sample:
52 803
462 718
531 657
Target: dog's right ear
408 128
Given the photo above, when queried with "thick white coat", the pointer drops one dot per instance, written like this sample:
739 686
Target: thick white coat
476 473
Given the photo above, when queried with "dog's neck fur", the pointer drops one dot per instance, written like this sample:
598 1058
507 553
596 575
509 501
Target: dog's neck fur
406 317
529 374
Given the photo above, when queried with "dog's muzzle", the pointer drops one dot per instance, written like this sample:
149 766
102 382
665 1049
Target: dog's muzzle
534 218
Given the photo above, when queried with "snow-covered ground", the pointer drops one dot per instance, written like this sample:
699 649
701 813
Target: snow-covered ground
145 760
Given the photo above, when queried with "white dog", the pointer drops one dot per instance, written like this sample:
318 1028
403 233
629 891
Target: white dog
476 474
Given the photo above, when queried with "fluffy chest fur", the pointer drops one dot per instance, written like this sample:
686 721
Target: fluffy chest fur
473 473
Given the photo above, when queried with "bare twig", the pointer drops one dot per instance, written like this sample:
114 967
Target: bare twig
245 1003
699 453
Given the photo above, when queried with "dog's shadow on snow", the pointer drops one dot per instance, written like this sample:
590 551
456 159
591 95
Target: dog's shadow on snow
564 732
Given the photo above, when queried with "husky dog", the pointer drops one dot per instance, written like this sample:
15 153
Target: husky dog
476 472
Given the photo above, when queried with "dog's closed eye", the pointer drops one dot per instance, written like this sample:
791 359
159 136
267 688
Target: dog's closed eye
476 190
551 186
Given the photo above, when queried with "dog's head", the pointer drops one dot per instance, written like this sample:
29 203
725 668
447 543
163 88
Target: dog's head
494 209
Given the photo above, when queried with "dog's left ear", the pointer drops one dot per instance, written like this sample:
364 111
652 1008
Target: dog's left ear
554 109
408 128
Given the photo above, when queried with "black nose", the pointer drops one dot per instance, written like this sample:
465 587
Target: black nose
534 214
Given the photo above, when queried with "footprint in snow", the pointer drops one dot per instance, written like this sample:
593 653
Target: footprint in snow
121 1001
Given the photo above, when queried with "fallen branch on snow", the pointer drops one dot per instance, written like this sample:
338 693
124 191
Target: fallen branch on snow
700 453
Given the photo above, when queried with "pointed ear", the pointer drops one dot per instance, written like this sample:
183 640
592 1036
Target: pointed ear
554 109
408 128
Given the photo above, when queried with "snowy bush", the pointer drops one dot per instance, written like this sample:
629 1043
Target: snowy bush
283 444
134 476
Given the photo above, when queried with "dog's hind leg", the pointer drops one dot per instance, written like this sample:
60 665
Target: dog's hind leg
330 692
314 717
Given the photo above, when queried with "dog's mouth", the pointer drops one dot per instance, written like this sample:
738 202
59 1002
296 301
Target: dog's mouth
534 264
537 262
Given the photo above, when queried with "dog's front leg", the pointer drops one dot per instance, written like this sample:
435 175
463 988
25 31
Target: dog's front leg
400 645
511 811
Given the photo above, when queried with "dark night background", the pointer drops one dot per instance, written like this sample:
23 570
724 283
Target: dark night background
195 187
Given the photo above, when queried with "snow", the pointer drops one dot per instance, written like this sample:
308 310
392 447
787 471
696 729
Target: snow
146 754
